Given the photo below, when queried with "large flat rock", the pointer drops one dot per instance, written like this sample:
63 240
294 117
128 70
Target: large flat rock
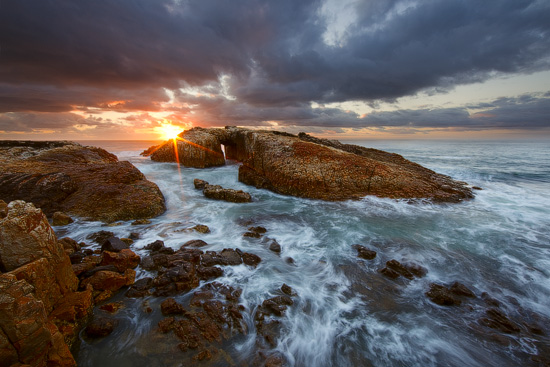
88 182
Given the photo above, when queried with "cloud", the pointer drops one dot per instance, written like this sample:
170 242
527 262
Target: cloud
257 61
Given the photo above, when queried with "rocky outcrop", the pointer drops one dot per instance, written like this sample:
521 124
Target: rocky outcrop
81 181
219 193
308 167
193 148
40 310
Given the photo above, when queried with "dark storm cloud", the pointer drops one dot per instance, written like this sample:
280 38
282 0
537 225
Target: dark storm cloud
58 54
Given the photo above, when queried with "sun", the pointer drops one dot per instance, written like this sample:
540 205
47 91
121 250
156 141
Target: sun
168 131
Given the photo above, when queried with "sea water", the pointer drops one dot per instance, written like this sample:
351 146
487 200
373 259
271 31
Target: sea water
346 313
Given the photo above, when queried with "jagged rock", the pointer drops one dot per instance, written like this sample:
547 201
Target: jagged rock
364 253
82 181
105 280
61 219
170 307
101 327
100 237
114 244
305 166
441 295
125 259
199 184
275 246
69 245
219 193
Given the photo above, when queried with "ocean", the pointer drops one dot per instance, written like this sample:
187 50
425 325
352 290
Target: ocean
346 313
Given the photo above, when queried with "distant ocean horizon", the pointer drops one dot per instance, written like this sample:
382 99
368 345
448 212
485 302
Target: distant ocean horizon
346 312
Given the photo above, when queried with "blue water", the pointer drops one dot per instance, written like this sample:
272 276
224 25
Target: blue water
346 312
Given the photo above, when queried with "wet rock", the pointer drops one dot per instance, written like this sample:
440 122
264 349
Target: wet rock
416 270
3 209
490 301
207 273
97 268
125 259
287 290
140 222
219 193
100 327
461 290
258 229
127 241
497 320
199 184
230 257
140 288
275 246
399 268
155 246
201 228
364 253
170 307
252 235
194 243
87 182
100 237
251 259
441 295
392 274
112 307
61 219
69 244
275 360
276 305
134 236
114 244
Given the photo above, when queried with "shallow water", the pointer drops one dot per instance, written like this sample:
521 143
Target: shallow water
346 312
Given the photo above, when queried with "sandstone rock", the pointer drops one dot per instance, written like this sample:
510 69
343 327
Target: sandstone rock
194 148
3 209
61 219
69 244
219 193
105 280
82 181
125 259
140 288
170 307
364 253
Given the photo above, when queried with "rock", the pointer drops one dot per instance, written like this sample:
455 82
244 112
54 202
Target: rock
199 184
201 228
219 193
100 327
275 247
61 219
230 257
134 236
112 307
251 259
461 290
139 222
125 259
490 301
69 244
87 182
100 237
305 166
497 320
252 235
416 270
441 295
140 288
114 244
3 209
170 307
127 241
105 280
258 229
194 243
155 246
195 148
287 290
364 253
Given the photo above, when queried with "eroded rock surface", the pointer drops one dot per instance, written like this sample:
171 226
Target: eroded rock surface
308 167
82 181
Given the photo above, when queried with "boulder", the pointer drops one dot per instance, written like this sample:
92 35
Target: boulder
125 259
105 280
364 253
87 182
61 219
101 327
114 244
193 148
219 193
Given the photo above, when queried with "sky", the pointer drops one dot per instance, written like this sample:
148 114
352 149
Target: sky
392 69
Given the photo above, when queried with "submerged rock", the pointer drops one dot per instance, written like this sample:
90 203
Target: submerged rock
364 253
305 166
82 181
